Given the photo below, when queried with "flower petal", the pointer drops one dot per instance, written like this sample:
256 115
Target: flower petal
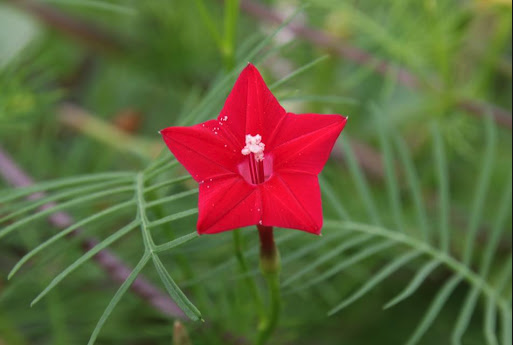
226 204
303 143
203 150
292 200
251 108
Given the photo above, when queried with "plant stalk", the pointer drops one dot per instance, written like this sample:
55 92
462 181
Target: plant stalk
270 266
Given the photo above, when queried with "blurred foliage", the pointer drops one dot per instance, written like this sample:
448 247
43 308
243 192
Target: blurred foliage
173 62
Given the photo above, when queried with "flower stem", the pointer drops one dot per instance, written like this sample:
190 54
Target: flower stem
250 282
270 267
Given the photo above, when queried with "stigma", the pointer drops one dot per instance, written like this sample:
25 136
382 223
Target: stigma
255 146
255 150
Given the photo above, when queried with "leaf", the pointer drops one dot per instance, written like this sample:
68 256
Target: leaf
117 297
14 226
174 291
84 258
417 281
435 308
67 231
385 273
443 181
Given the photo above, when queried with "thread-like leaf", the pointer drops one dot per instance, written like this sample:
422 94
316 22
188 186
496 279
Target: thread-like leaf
490 326
175 243
62 206
361 182
335 252
465 316
507 329
377 278
117 297
443 182
503 213
173 197
415 284
335 202
414 187
75 192
435 309
67 231
174 291
173 217
482 188
91 253
60 183
360 256
392 185
167 183
298 72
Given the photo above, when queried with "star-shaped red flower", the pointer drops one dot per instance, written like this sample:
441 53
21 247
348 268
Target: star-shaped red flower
256 164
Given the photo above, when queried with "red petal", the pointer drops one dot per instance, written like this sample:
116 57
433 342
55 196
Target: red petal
292 200
251 108
203 150
226 204
303 143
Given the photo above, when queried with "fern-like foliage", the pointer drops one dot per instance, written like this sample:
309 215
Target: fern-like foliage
427 243
424 243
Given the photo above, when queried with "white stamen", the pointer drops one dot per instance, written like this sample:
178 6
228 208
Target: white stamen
254 145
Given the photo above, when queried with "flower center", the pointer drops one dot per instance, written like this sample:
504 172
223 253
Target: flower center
255 171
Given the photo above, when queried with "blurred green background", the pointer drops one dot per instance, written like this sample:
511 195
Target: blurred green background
85 85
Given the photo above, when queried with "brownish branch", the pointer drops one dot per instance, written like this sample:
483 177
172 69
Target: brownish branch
116 269
80 30
359 56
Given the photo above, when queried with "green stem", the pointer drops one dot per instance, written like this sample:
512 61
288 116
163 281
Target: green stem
270 266
250 282
268 325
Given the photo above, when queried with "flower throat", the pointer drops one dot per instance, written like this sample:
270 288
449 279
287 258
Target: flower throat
255 150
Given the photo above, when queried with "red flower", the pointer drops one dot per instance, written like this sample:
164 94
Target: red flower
256 164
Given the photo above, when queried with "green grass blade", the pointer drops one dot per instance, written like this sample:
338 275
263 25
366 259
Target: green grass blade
174 291
175 243
414 186
298 71
173 217
443 181
14 226
65 232
435 309
84 258
174 197
332 254
361 182
415 284
483 185
117 297
377 278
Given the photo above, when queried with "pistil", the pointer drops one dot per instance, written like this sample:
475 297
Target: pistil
255 150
